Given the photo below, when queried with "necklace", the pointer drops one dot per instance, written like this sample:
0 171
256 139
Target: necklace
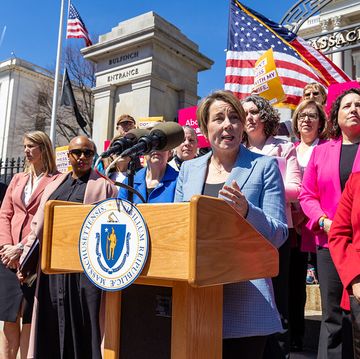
218 169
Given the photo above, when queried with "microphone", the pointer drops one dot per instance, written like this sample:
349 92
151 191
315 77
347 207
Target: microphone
162 137
125 142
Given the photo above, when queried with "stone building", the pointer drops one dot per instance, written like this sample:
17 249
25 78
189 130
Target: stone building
336 32
145 66
25 105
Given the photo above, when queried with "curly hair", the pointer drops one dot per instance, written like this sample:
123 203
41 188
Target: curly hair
202 113
322 118
335 130
268 115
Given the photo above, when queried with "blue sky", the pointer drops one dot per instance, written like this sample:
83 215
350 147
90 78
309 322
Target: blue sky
32 26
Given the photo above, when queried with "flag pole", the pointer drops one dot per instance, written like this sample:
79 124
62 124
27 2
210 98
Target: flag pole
56 80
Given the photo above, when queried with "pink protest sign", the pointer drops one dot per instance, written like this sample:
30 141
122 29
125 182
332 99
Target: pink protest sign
106 144
187 116
337 89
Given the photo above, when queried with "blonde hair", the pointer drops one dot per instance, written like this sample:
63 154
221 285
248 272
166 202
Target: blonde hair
47 152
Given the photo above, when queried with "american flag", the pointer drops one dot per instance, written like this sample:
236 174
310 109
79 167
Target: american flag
297 63
76 27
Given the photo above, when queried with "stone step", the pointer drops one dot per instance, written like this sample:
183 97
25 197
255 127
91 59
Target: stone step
312 317
313 302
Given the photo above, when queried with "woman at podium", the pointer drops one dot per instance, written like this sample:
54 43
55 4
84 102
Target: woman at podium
251 183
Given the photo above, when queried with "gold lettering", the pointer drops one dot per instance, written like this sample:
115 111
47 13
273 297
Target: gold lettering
323 43
315 45
358 34
340 39
351 36
332 41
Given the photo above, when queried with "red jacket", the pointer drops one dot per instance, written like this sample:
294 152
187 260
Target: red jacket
344 237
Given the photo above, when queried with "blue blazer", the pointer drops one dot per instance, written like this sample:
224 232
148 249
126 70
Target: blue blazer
162 193
249 307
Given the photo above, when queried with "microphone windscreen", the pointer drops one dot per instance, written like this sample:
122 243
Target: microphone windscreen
170 135
137 133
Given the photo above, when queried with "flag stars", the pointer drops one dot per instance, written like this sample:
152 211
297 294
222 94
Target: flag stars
254 39
247 45
285 49
254 28
273 36
248 34
236 34
266 40
249 23
279 42
237 23
242 28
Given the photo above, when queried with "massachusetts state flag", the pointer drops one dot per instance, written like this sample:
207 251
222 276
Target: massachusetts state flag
297 63
76 27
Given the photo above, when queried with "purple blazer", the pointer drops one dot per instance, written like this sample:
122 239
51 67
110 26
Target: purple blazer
321 189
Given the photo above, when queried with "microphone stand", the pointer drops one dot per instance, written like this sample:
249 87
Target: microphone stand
130 174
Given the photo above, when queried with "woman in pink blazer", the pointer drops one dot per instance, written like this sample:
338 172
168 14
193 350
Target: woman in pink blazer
262 122
324 179
21 202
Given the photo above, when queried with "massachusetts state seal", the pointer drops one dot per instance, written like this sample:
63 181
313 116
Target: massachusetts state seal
113 244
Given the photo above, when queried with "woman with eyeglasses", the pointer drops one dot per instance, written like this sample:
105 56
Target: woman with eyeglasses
21 201
324 179
309 125
261 125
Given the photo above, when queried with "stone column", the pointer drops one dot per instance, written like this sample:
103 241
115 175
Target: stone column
103 112
324 25
337 57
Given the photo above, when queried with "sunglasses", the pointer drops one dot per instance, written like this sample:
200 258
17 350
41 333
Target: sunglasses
314 93
77 153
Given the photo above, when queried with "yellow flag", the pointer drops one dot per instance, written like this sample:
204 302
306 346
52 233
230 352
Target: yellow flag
267 83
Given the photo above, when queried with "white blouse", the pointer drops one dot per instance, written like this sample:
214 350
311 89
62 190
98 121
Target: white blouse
30 187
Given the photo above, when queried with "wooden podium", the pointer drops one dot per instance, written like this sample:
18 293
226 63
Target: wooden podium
195 248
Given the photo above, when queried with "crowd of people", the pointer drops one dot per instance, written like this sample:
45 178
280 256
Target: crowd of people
301 196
